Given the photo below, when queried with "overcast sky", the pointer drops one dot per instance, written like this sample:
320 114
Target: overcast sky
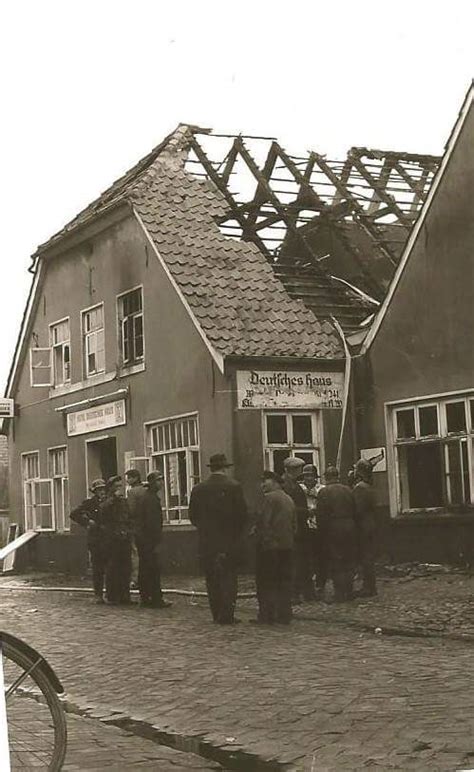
89 87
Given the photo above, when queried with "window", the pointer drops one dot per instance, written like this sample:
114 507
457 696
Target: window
59 339
58 472
38 495
41 367
291 434
93 340
434 454
130 322
174 448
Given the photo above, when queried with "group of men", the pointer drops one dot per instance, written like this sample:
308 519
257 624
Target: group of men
305 532
114 523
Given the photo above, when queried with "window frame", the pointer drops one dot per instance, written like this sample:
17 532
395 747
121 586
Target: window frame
316 447
29 484
189 449
61 346
64 485
128 363
443 438
85 337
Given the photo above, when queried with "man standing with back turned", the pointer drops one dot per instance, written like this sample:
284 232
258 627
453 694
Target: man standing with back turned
217 508
89 516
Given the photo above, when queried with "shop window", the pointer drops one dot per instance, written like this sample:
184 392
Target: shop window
59 338
93 340
174 449
130 324
291 434
37 495
58 472
435 468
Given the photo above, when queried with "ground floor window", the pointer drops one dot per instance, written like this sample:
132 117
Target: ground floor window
433 446
37 495
58 472
174 448
291 434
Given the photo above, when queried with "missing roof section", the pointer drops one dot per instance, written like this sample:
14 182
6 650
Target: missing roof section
347 218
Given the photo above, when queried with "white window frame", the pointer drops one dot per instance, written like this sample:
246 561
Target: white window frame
86 336
443 437
61 347
62 522
30 486
120 326
316 447
191 479
34 367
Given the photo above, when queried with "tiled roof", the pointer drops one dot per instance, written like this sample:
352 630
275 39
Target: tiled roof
231 288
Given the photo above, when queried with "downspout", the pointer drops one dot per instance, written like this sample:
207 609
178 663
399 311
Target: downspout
347 382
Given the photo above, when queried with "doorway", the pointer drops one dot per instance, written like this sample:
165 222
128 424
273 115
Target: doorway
101 456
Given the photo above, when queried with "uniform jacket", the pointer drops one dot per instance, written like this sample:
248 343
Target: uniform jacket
276 525
148 520
295 492
116 519
218 510
336 506
364 506
90 510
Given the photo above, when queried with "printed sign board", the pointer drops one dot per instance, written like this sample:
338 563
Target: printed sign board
377 457
289 389
94 419
7 408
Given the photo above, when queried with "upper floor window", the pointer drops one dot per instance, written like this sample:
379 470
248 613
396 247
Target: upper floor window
59 339
93 340
130 323
433 442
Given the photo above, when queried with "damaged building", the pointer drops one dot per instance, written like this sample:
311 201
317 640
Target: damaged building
225 295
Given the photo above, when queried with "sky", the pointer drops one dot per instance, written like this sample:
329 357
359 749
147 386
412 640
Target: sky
89 87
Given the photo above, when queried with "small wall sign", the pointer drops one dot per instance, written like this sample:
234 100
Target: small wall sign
289 389
377 457
7 408
94 419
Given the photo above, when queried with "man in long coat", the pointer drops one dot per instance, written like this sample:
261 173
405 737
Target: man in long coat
217 508
148 528
335 510
303 575
118 529
366 525
89 516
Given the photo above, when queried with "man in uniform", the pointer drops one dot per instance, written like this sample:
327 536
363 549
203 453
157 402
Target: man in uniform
217 508
89 515
118 529
335 509
366 525
303 582
148 528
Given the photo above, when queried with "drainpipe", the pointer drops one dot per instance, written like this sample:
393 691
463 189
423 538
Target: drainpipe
347 382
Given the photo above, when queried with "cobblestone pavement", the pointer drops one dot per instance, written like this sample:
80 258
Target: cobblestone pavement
314 696
95 746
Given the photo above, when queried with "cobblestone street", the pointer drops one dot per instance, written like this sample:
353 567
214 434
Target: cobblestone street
313 697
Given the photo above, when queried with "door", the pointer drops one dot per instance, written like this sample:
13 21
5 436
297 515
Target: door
101 459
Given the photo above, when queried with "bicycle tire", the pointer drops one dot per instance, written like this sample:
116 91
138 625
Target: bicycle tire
40 678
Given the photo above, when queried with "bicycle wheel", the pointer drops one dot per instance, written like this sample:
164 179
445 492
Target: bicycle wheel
36 720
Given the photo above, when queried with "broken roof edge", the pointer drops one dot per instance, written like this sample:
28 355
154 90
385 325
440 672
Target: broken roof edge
415 231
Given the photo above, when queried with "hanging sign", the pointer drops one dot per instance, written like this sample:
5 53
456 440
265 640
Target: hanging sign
289 389
7 408
94 419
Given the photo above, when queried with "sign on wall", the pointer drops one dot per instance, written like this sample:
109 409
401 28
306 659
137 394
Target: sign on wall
289 389
377 458
94 419
7 408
